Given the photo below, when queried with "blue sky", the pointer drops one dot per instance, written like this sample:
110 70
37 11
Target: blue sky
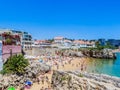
84 19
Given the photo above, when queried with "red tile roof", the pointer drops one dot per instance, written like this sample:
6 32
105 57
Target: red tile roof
83 42
59 38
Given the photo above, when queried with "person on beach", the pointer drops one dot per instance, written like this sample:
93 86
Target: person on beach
63 65
82 67
72 64
38 80
42 81
76 65
46 88
49 88
57 66
42 88
46 77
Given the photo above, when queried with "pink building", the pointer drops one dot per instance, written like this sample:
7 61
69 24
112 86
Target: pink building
8 50
10 45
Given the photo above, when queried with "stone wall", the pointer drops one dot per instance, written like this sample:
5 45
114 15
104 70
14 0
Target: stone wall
7 50
35 51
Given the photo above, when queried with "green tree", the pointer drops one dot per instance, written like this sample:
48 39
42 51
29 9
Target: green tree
8 41
99 47
50 40
15 64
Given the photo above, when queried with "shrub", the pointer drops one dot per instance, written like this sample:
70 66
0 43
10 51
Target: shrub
8 41
80 75
63 78
15 64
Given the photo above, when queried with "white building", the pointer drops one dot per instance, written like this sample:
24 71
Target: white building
26 38
59 39
83 44
41 43
61 42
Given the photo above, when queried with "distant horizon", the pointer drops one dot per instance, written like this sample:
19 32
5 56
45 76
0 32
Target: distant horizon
72 19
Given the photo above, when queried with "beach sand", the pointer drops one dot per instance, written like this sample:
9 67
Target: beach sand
74 65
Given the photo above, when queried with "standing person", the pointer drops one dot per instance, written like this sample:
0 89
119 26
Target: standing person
49 88
22 88
57 66
82 67
46 78
38 80
42 88
85 67
72 64
42 81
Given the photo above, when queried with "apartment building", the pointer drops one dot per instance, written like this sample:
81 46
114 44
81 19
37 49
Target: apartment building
25 37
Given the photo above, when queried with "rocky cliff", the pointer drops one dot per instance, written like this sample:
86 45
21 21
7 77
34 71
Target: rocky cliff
31 72
103 54
83 81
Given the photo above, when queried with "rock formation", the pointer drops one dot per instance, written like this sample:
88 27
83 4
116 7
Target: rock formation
83 81
31 72
103 54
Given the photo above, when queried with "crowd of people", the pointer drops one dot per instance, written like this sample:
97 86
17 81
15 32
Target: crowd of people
56 60
43 78
60 59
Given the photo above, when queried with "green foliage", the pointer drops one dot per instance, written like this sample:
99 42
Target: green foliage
100 47
3 72
69 78
15 64
80 75
63 78
108 45
50 40
8 41
66 78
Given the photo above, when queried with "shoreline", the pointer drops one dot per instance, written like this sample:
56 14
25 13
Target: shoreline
104 66
75 65
67 65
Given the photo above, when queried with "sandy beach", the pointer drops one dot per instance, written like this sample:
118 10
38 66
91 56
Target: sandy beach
75 64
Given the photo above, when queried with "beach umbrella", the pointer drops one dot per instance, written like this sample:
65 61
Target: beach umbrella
28 83
11 88
41 60
55 63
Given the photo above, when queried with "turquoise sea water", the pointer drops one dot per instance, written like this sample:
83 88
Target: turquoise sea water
105 66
